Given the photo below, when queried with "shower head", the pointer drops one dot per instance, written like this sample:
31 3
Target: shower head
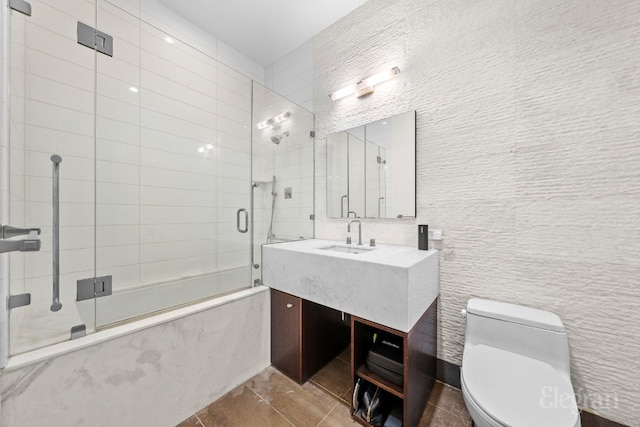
277 138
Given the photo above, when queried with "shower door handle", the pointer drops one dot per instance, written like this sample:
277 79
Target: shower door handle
246 220
55 305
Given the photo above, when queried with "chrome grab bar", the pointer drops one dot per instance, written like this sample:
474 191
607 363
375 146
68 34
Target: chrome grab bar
246 221
342 205
56 305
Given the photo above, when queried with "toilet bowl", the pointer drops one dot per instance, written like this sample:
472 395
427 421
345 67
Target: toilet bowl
515 367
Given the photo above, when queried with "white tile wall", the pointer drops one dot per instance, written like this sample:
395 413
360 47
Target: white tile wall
292 75
133 173
527 157
52 110
291 163
179 110
162 17
230 56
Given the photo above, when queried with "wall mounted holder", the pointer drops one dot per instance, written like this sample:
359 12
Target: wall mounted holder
93 287
95 39
20 6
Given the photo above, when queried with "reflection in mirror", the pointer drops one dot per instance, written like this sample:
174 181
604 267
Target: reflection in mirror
374 189
356 193
337 174
345 173
371 169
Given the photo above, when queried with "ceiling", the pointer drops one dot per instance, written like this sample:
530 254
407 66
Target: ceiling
263 30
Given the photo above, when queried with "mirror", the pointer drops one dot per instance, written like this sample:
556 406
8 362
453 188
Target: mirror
371 169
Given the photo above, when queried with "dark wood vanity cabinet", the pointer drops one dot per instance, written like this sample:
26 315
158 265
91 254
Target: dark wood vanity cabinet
305 336
286 334
419 362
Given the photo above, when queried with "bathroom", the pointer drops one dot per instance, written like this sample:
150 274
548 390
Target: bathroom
527 159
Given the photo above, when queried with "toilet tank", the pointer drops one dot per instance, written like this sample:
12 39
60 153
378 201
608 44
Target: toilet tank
527 331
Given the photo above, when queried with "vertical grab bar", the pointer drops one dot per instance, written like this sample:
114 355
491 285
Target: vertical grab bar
246 221
56 306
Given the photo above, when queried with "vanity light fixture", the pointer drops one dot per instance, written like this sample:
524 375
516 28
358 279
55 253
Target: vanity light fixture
365 86
274 121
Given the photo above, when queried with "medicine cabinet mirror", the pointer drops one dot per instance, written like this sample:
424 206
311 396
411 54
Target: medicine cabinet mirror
371 169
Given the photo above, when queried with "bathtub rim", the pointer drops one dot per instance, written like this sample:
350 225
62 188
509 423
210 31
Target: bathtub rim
65 347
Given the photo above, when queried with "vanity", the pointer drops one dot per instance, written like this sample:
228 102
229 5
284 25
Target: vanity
326 295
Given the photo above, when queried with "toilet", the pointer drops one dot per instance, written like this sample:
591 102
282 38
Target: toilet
515 367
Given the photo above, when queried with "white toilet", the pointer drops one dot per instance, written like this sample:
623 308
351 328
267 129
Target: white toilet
515 367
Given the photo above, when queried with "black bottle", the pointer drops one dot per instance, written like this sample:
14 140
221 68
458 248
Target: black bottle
423 237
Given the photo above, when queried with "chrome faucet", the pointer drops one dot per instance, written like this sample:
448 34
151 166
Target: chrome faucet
359 229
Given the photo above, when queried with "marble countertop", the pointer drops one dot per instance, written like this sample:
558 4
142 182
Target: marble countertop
397 256
390 285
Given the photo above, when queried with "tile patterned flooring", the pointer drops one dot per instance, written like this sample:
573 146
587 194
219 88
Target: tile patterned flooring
272 399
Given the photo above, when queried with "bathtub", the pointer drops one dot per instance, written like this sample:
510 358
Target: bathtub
138 302
174 363
34 326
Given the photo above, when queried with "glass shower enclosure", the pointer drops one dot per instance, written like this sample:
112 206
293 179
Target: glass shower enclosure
283 172
171 167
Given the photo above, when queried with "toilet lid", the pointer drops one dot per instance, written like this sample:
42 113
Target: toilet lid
517 390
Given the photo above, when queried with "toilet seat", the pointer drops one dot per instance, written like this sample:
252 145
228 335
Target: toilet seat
515 390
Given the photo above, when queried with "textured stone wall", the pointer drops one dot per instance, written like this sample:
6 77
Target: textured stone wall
528 157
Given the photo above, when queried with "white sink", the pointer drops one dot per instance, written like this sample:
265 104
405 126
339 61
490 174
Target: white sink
390 285
347 249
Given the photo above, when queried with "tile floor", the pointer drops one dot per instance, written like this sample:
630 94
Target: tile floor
272 399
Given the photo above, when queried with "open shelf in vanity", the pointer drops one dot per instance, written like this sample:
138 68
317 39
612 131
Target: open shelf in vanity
419 348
